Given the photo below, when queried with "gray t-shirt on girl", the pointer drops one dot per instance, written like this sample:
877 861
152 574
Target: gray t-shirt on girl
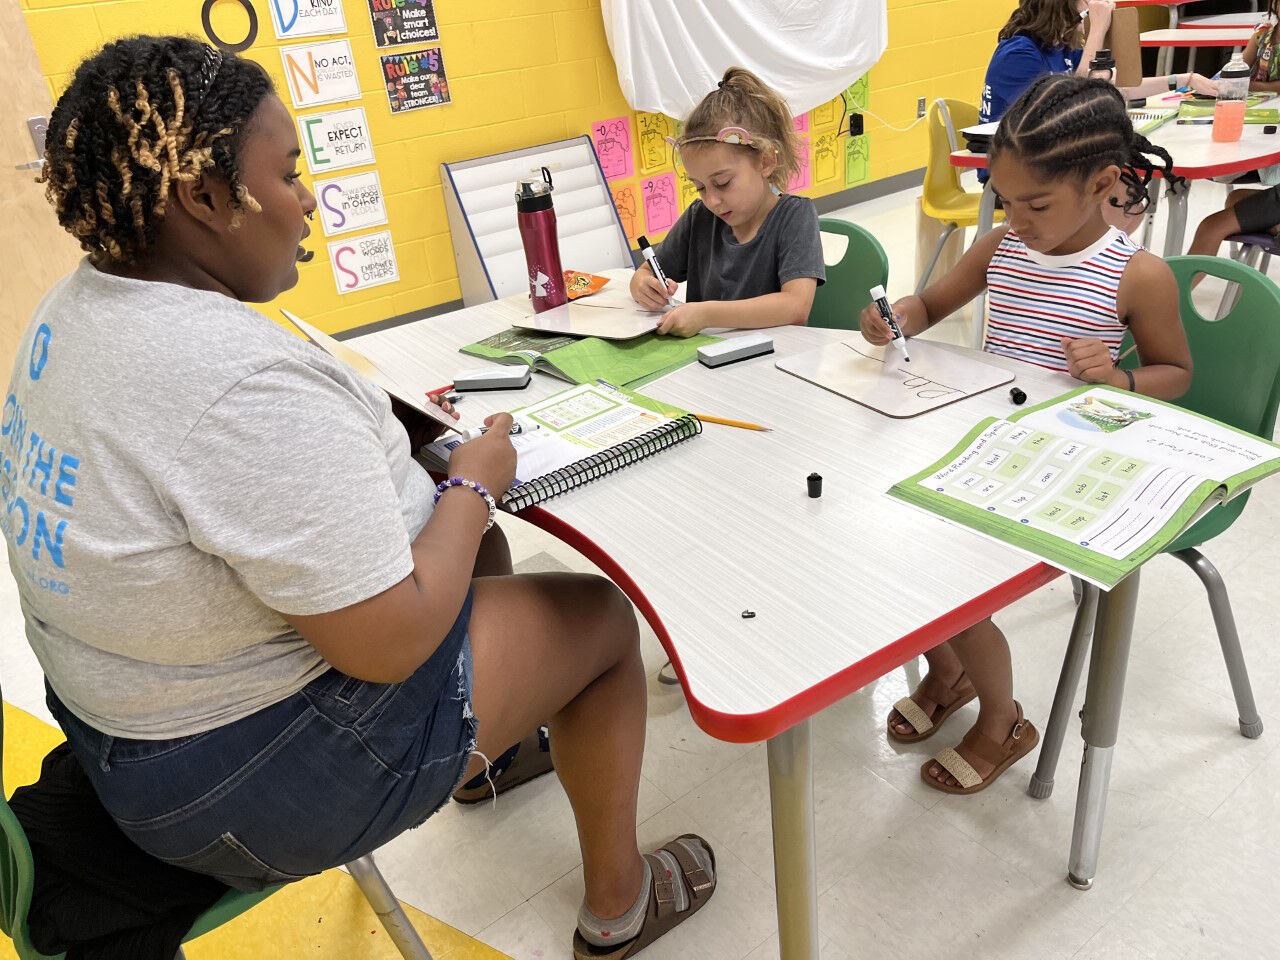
701 249
176 469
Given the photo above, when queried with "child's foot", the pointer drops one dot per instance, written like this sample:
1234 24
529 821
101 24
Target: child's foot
997 741
939 695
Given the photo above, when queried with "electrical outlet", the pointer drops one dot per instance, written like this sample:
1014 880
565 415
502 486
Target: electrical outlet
920 108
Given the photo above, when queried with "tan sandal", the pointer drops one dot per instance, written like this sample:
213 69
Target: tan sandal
947 699
1021 741
661 916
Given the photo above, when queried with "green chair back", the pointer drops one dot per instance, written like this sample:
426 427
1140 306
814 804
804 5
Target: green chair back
840 300
17 878
1237 366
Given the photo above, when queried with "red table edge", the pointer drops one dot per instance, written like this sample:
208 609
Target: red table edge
978 161
755 727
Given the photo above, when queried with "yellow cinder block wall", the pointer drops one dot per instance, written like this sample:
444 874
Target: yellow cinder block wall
521 72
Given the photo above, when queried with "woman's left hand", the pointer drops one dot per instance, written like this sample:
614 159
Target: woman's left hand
1088 360
683 321
421 430
1203 85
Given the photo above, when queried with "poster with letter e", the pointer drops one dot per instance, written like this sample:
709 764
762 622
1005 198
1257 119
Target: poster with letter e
415 79
403 21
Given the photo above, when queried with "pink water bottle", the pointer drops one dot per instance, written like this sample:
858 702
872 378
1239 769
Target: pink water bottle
537 219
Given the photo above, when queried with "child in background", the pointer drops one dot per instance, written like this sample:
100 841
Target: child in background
1250 211
1064 288
750 252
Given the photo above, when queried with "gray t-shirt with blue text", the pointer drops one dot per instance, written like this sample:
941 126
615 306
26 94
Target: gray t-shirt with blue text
177 472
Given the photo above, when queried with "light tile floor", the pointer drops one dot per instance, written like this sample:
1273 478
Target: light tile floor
1191 837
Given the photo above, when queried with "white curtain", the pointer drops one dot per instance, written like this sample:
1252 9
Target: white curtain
671 53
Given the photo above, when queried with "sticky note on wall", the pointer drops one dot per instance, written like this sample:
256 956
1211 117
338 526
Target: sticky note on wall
828 158
613 146
655 152
825 114
688 192
660 202
629 211
857 160
800 180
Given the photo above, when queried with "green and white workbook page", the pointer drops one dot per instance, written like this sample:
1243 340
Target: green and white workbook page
1095 482
572 425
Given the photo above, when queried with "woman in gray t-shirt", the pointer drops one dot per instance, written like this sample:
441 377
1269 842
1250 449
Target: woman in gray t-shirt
271 644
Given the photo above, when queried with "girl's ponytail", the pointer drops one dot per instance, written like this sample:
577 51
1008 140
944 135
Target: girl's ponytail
741 99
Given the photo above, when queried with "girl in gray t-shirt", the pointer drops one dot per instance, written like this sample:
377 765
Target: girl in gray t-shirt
750 252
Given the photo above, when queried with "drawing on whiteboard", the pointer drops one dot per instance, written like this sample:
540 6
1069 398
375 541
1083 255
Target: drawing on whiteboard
922 387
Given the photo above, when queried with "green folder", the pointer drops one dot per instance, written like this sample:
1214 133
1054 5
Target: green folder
627 363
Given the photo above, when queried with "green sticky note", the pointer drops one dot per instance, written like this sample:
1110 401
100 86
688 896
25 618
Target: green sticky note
857 160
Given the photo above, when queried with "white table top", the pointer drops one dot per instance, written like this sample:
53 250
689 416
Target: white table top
845 587
1197 37
1250 20
1196 155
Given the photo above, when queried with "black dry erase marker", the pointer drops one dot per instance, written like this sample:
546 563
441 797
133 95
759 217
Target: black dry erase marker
882 304
651 258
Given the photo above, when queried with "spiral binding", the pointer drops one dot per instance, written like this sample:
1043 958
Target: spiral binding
542 489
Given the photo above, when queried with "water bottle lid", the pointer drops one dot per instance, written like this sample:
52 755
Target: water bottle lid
1102 59
534 193
1236 70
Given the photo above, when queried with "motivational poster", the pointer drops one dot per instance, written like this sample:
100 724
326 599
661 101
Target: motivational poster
353 202
363 262
403 21
306 18
415 79
334 140
320 73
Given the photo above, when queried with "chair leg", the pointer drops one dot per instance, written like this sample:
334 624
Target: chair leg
374 886
1055 732
947 230
1228 639
1265 265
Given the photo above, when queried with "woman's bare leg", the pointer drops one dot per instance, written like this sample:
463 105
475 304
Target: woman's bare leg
566 647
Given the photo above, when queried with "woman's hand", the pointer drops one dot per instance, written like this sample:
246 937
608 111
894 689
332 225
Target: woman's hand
1100 15
421 430
684 320
1088 360
648 291
1205 86
908 313
489 460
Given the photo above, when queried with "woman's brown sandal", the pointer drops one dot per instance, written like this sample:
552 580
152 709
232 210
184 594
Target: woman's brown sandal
661 916
947 700
527 760
1021 741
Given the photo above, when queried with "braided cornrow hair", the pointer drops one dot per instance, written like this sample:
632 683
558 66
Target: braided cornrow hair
1070 125
140 115
741 99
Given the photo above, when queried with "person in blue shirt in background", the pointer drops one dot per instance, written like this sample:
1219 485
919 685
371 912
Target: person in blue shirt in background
1047 36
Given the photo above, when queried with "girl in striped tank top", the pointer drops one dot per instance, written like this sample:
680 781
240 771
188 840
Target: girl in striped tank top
1064 288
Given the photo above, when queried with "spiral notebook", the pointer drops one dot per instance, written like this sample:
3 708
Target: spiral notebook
581 435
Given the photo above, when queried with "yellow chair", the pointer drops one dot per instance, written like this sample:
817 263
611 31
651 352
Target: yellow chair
944 199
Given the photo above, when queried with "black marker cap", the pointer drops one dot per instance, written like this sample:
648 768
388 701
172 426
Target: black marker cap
815 485
643 243
1017 396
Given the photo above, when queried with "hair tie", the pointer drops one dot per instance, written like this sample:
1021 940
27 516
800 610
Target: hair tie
720 84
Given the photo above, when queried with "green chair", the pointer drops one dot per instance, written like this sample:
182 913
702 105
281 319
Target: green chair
17 875
838 302
1237 381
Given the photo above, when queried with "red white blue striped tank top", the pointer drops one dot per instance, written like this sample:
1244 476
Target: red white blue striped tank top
1036 299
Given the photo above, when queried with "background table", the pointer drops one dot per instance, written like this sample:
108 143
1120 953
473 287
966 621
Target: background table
845 588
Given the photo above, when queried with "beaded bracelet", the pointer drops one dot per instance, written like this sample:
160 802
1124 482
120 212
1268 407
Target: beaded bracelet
463 482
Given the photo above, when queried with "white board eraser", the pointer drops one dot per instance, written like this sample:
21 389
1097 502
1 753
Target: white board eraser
493 378
733 349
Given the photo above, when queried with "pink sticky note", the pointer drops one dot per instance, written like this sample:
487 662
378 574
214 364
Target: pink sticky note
660 202
613 146
802 123
800 179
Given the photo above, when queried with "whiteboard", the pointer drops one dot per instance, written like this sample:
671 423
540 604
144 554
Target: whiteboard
879 377
480 201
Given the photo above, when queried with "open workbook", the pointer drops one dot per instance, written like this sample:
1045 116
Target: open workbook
1095 482
628 363
580 435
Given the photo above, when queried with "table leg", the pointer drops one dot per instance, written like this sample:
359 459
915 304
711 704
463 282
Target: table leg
794 852
986 220
1107 664
1176 230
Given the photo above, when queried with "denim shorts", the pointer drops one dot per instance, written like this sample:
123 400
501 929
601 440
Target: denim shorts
319 779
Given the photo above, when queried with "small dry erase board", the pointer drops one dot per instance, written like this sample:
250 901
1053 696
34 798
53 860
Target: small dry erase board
879 377
610 314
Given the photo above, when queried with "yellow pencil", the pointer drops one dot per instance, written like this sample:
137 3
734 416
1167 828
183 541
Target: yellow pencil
731 423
